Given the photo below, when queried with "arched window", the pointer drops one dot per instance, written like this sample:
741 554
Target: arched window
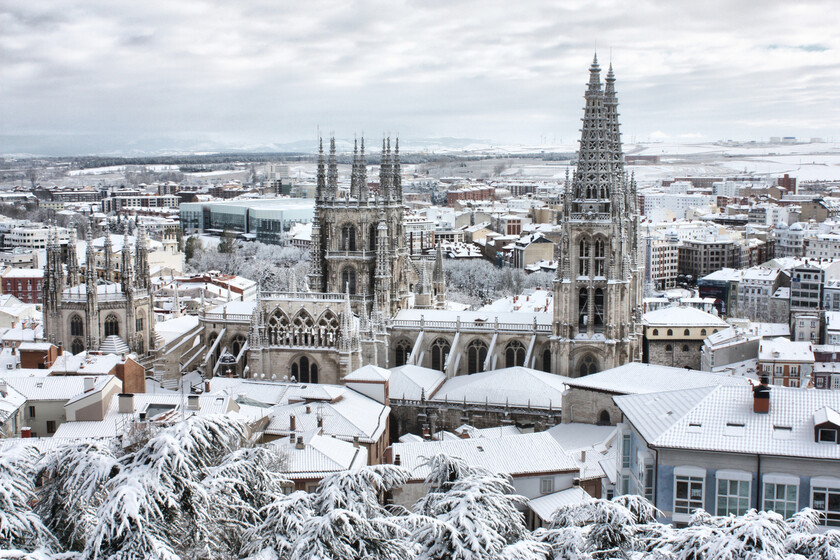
140 321
669 348
670 332
348 280
403 351
600 258
78 346
599 310
547 360
305 371
440 350
685 348
372 234
237 345
702 332
583 309
583 258
303 329
686 332
514 354
476 355
714 331
587 365
348 237
655 332
327 331
278 328
77 328
604 418
112 326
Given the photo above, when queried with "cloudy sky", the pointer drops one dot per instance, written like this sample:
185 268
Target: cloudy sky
103 75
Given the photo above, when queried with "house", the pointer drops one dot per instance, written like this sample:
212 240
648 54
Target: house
728 449
537 463
674 336
785 362
311 456
590 399
11 410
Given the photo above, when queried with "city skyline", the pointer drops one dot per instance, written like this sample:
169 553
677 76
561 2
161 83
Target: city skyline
92 77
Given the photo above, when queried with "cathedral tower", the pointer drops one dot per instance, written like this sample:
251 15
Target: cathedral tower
597 296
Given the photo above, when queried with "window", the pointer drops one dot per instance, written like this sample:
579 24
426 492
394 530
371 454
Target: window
655 332
304 371
733 493
600 261
669 348
515 354
50 426
138 323
583 309
403 352
688 495
686 332
781 495
583 258
546 485
685 348
825 498
348 281
649 483
440 351
76 326
112 326
476 355
32 412
827 435
626 450
604 418
348 238
588 365
77 347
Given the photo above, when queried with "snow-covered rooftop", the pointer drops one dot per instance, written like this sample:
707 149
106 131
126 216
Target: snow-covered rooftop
410 382
784 350
546 506
682 316
636 377
321 456
514 386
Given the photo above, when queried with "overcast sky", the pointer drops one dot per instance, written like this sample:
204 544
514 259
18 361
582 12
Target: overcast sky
100 75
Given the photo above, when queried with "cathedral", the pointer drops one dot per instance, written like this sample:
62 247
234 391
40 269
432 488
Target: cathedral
598 289
95 307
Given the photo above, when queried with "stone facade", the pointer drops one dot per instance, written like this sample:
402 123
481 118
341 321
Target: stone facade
598 290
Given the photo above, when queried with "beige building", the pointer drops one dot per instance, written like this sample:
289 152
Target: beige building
674 336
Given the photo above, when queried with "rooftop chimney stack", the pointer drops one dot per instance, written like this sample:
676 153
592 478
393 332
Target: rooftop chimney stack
761 397
26 432
292 423
355 441
300 444
89 384
126 403
192 402
397 459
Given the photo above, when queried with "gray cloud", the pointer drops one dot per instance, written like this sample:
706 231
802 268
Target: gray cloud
257 72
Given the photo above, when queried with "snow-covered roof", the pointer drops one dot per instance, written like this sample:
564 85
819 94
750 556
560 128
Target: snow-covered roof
514 386
722 419
481 317
235 307
724 275
545 506
530 301
54 388
410 382
521 455
171 329
24 273
86 363
321 456
784 350
636 377
683 317
369 373
10 401
576 435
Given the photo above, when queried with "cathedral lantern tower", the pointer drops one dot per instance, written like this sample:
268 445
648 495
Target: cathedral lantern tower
597 299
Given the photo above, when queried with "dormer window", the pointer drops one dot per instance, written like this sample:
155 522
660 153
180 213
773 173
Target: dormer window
826 435
827 425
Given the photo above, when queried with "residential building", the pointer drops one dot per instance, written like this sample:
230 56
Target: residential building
674 336
26 284
786 363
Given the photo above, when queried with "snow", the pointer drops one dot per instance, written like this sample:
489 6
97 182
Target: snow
411 382
682 316
514 386
545 506
784 350
321 455
636 377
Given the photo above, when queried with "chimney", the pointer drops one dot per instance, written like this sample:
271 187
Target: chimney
397 459
308 409
583 455
207 386
320 421
26 432
60 351
355 441
126 403
292 423
761 397
4 388
192 402
89 383
426 433
300 444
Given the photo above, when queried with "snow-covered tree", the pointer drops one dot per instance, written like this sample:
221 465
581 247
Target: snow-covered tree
74 479
282 522
20 527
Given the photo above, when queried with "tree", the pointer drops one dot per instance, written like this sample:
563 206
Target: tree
20 527
227 245
192 244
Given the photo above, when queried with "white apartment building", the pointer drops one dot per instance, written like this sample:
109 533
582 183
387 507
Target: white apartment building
824 246
756 288
663 257
34 237
667 206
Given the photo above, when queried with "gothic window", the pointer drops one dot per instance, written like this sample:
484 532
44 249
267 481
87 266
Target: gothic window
77 346
599 310
237 344
112 326
514 354
403 352
76 326
140 321
600 259
547 360
348 237
348 281
303 331
278 328
327 332
587 365
440 350
476 355
372 235
583 308
583 258
305 371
